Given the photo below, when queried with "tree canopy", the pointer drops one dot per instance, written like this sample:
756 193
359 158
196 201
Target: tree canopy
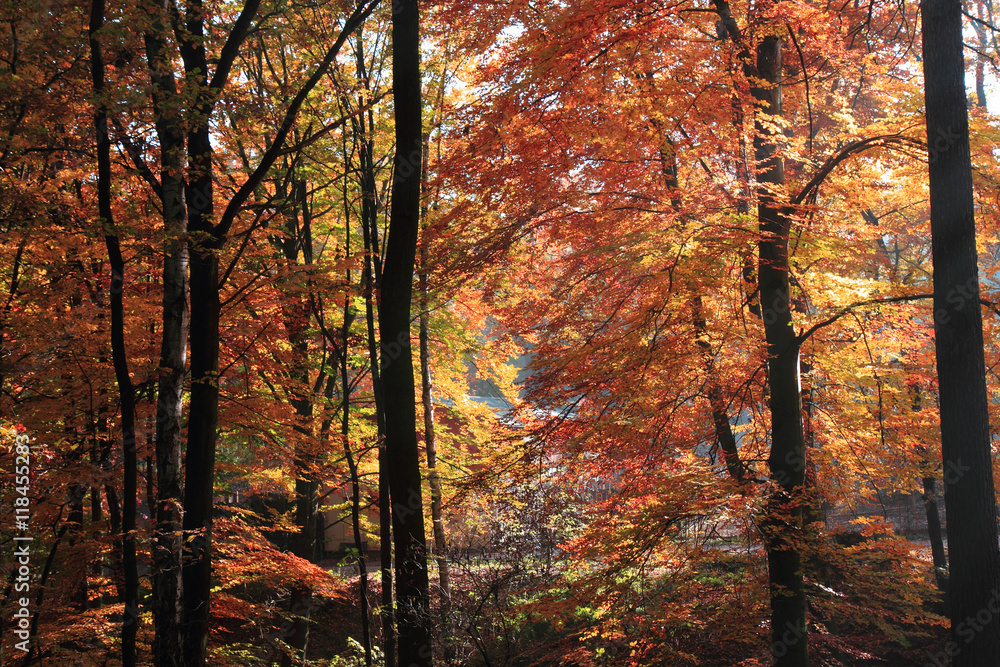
589 332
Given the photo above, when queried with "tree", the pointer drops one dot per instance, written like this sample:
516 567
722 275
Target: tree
397 377
973 553
166 548
787 456
126 390
673 305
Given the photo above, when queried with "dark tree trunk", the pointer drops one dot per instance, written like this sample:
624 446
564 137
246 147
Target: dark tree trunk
199 457
965 436
371 279
397 362
166 541
782 526
199 460
980 28
203 417
352 463
724 435
206 240
126 391
74 521
29 657
934 535
930 498
720 411
296 318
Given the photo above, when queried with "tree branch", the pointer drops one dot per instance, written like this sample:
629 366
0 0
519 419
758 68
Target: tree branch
847 310
278 142
233 42
812 187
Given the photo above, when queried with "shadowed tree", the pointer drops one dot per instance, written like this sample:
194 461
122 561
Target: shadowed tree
398 385
958 332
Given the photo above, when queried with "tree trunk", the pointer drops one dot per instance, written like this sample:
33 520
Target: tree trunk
930 498
166 541
965 435
199 459
296 319
430 440
724 435
205 242
782 526
397 361
126 391
980 29
440 551
371 278
720 412
934 535
352 465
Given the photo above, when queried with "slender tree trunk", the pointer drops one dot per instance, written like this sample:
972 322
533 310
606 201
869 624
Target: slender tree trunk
397 362
980 29
42 583
125 523
199 462
812 511
74 521
782 526
296 317
352 465
166 539
440 552
934 535
970 500
205 242
930 498
720 413
371 279
387 613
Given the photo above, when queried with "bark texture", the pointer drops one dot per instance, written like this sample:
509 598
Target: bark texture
970 500
413 632
782 526
166 579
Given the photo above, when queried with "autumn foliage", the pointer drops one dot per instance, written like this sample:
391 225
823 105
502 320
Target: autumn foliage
591 310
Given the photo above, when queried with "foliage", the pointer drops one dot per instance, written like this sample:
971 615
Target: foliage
591 232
